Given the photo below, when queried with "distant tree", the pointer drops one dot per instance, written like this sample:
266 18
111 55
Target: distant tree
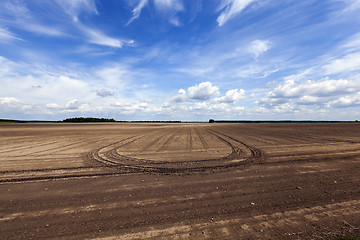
211 121
88 119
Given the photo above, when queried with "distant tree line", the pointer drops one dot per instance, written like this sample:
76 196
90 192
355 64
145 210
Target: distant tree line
277 121
88 119
169 121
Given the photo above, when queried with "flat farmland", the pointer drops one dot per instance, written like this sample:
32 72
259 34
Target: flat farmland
179 181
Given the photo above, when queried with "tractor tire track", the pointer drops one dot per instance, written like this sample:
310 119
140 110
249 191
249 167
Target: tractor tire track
109 156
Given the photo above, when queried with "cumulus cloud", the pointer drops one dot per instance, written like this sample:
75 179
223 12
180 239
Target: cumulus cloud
258 47
52 106
231 96
73 104
325 92
104 93
13 103
202 91
206 93
181 96
230 8
322 88
346 101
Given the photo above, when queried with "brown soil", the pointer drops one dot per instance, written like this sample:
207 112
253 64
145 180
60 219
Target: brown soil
179 181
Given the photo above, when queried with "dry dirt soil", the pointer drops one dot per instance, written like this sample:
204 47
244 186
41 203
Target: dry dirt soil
179 181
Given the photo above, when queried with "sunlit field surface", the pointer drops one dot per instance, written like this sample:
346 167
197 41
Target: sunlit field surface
179 180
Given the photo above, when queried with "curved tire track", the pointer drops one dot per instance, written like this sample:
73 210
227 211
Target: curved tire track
109 156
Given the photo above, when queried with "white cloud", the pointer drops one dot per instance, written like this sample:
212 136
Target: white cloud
180 97
350 62
325 92
346 101
115 77
76 7
258 47
170 8
203 91
299 76
36 85
351 5
231 96
230 8
137 10
73 104
324 87
96 37
131 108
16 14
309 100
12 103
353 43
169 4
6 35
52 106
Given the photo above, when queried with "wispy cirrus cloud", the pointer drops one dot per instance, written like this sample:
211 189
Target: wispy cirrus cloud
17 15
97 37
230 8
76 7
64 23
168 8
7 36
348 63
137 10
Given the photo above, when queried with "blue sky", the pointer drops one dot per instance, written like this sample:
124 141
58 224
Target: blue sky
188 60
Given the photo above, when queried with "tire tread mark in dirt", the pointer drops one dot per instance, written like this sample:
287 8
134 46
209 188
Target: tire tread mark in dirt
153 142
313 158
96 156
190 141
168 140
69 146
22 148
256 153
44 170
114 159
202 140
65 176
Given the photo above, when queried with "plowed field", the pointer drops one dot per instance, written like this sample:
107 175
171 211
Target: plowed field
179 181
